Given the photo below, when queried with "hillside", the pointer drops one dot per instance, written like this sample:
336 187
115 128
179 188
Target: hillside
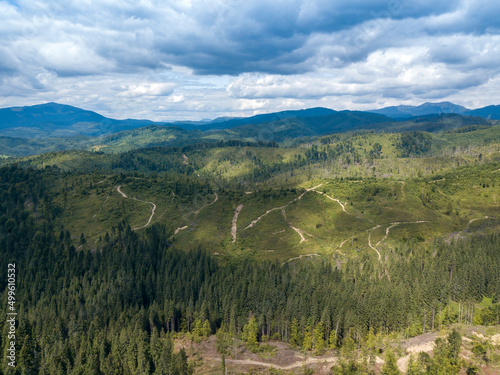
491 112
288 131
62 123
328 252
58 120
404 111
343 194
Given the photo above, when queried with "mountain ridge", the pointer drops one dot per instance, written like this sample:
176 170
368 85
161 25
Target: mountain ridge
491 112
61 120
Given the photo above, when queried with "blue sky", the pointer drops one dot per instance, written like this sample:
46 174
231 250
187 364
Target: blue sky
190 59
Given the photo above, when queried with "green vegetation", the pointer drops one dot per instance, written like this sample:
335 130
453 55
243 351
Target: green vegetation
333 243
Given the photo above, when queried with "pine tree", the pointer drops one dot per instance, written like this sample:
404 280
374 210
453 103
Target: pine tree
250 333
295 333
308 338
455 342
390 366
413 367
223 340
319 339
332 340
27 363
206 329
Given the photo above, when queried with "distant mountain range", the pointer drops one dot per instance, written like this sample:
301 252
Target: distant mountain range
491 112
58 120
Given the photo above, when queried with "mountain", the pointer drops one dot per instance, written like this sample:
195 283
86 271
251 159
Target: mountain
491 112
286 131
63 121
231 122
268 117
379 234
405 111
59 120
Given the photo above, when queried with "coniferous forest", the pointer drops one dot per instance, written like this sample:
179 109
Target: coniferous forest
114 308
271 187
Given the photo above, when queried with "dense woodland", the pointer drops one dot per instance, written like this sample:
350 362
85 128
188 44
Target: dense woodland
114 310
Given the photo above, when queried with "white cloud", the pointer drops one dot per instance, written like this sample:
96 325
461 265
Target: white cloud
176 99
153 89
196 59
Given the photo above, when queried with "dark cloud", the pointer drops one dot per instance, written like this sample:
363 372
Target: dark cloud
200 56
221 37
270 36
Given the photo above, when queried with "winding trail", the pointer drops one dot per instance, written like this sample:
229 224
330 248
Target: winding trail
307 361
281 207
479 218
370 241
234 227
180 228
153 207
208 204
196 213
302 256
302 238
343 242
403 194
299 231
121 192
100 209
336 200
387 230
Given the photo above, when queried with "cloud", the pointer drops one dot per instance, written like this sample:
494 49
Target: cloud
153 89
204 59
219 37
392 73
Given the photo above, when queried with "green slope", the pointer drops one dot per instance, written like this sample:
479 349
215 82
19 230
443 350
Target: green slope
340 196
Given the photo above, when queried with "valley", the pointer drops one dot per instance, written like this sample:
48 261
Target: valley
318 253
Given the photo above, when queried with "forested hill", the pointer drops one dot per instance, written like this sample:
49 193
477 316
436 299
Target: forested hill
405 111
335 246
281 128
114 309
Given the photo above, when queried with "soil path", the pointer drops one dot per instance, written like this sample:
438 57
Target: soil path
306 361
370 241
387 230
299 231
336 200
180 228
234 227
396 223
100 208
196 213
422 343
403 194
153 207
302 256
121 192
302 238
343 242
281 207
479 218
208 204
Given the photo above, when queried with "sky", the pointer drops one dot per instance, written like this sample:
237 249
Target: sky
191 60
